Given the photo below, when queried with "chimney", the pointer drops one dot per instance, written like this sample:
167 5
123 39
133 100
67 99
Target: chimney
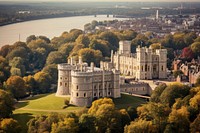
80 60
92 66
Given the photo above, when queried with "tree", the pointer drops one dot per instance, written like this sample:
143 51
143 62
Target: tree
83 39
43 123
156 46
6 104
89 55
168 41
155 112
17 64
67 126
177 73
139 126
125 118
108 118
55 57
16 86
101 45
195 125
42 79
111 38
155 96
52 70
179 120
195 102
30 38
187 53
87 123
174 91
30 84
9 125
66 49
4 70
179 40
196 48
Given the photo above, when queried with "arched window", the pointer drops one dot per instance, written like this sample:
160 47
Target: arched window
77 94
84 94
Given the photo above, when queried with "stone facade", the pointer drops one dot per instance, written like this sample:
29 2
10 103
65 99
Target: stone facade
146 63
84 84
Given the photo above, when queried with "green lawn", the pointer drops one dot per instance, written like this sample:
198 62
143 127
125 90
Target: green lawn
47 103
128 100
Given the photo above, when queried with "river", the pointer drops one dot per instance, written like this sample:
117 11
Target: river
47 27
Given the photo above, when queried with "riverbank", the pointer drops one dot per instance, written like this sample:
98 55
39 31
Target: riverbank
51 27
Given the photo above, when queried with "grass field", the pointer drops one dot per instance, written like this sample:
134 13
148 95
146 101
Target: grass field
47 103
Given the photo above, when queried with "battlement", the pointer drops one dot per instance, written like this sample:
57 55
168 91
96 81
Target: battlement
65 66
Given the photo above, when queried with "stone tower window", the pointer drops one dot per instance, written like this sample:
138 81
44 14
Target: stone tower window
145 67
60 83
84 94
65 84
60 77
109 93
77 94
162 68
95 94
142 68
77 87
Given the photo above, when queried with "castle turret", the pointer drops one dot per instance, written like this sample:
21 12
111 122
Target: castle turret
124 47
81 89
64 79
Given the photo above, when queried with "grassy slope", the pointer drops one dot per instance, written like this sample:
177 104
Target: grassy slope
46 103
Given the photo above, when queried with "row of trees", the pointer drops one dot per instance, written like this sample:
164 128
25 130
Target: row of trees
172 108
101 117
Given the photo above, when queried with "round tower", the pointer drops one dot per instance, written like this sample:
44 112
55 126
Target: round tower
64 79
81 89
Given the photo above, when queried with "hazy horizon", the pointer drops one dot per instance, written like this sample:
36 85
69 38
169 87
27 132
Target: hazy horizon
99 0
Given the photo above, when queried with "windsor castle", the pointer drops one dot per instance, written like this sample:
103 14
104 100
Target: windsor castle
85 83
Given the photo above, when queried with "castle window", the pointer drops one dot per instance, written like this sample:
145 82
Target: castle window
65 78
143 89
77 87
84 94
77 94
145 67
95 87
142 68
65 84
60 83
109 93
162 68
60 77
99 93
148 68
95 94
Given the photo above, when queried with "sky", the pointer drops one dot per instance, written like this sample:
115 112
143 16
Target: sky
106 0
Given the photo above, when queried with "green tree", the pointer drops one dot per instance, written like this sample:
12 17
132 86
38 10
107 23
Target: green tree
87 123
16 86
155 96
55 57
30 84
42 79
139 126
68 125
30 38
4 70
52 70
174 91
196 48
6 104
179 120
89 55
83 39
17 64
195 125
108 118
9 125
